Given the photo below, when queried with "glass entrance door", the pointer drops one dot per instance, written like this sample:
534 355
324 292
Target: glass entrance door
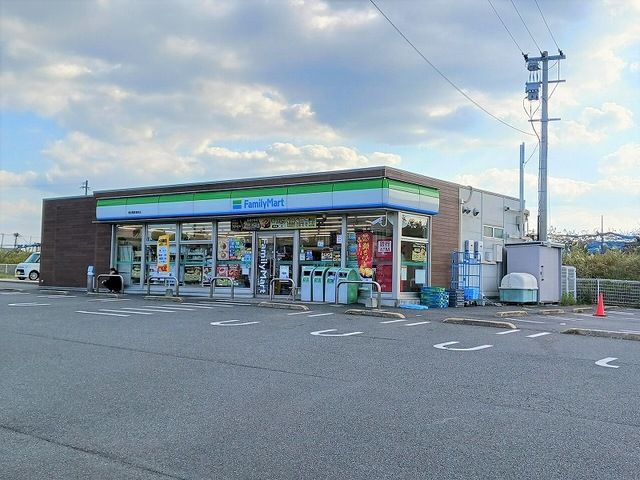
274 260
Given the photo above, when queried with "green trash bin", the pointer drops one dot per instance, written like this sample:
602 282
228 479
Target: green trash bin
348 293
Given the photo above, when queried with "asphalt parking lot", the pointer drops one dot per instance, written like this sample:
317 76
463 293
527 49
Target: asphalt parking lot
123 387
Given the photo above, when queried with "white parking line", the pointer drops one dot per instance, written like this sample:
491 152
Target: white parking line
445 346
56 296
299 313
29 304
321 314
14 293
414 324
621 313
174 309
525 321
393 321
110 300
102 313
541 334
125 311
193 305
152 309
506 332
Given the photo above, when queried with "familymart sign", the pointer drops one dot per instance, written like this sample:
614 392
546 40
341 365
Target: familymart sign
347 195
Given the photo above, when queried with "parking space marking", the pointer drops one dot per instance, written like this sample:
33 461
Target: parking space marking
14 293
320 314
192 305
299 313
506 332
147 309
56 296
605 362
231 323
110 300
621 313
414 324
323 333
102 313
231 304
125 311
29 304
525 321
541 334
173 309
393 321
445 346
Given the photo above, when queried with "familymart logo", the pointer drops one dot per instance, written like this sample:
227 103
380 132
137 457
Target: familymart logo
264 203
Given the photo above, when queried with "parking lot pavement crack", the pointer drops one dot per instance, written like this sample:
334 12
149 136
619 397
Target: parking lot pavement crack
90 451
182 357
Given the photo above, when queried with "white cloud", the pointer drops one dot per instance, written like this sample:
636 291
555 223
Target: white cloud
319 16
21 179
594 125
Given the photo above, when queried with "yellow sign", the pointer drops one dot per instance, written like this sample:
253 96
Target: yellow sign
163 255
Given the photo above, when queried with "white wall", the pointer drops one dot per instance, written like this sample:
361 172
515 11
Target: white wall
479 209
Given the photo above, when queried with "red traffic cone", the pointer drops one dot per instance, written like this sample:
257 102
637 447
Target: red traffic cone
600 308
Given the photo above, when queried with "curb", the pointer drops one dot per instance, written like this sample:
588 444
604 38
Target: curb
161 298
603 333
513 313
550 311
582 309
374 313
55 292
480 323
288 306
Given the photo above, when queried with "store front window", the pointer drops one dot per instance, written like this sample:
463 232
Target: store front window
414 248
321 246
233 256
196 253
161 258
129 253
370 247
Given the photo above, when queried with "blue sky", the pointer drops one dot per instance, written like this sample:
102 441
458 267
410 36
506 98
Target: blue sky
127 94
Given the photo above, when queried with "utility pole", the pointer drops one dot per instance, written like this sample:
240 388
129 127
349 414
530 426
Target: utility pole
85 187
532 89
522 232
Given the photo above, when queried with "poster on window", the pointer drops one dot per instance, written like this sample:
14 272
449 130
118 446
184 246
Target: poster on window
364 253
384 248
162 264
419 252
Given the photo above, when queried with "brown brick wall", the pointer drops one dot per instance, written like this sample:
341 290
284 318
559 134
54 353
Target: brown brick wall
71 241
444 234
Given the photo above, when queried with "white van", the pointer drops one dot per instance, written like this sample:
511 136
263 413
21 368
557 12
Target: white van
30 268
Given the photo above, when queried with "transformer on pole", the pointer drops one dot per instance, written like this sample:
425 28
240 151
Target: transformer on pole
532 89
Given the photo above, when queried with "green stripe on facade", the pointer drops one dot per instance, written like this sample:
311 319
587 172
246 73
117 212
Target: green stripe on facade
141 200
179 197
111 202
404 187
357 185
312 188
429 192
212 196
258 192
351 185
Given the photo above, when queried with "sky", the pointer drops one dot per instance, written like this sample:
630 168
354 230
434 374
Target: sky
126 94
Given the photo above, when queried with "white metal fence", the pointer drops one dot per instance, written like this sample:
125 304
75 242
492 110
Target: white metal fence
8 268
616 292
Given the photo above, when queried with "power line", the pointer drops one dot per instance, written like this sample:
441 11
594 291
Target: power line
547 25
443 75
525 26
505 27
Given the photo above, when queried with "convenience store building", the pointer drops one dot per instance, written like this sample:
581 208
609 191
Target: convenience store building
395 227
